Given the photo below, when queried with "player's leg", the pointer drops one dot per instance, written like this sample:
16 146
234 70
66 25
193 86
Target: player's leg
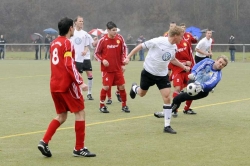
146 81
109 101
117 93
88 68
107 82
187 109
80 150
164 86
120 82
54 124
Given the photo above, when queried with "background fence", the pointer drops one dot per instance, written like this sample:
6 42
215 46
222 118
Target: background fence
27 50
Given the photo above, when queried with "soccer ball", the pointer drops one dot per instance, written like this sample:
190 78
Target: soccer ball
191 89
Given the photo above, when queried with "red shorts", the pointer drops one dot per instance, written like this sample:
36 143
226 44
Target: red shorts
112 79
180 79
71 100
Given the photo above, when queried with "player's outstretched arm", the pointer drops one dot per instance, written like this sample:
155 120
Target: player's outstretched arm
133 52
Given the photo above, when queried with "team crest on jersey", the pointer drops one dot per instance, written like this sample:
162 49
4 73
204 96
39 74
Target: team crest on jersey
185 44
78 40
118 41
188 35
166 56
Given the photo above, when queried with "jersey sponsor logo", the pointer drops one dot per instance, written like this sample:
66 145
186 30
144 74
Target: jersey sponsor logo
181 49
112 46
58 43
166 56
78 40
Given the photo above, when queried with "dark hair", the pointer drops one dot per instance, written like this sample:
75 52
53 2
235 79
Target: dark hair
111 25
63 25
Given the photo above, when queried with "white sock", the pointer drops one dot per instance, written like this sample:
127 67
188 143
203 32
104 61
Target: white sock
167 114
90 83
135 87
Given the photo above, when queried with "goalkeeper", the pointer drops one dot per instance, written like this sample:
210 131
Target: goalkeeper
205 85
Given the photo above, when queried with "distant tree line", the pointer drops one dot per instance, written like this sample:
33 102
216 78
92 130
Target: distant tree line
20 18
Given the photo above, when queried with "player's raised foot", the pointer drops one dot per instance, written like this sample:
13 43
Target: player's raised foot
109 101
126 109
159 114
189 111
168 129
132 93
83 153
89 96
104 109
44 148
118 97
174 113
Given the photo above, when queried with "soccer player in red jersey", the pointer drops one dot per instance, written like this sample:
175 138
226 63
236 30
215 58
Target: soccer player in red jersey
66 85
111 51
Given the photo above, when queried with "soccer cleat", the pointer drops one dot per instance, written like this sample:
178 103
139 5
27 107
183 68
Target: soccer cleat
118 97
104 109
89 96
44 148
132 93
125 109
109 101
83 153
159 114
168 129
189 111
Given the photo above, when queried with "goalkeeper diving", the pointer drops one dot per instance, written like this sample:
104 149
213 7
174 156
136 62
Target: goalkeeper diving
206 75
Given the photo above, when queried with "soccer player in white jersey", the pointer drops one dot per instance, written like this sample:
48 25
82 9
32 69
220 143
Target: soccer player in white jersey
82 41
161 51
203 48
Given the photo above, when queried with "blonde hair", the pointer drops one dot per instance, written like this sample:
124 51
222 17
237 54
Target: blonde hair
224 57
177 30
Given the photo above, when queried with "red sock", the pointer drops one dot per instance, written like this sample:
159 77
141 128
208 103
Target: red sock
123 95
54 124
80 134
188 104
102 97
109 92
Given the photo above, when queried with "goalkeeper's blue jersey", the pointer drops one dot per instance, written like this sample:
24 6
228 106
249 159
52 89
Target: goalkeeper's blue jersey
208 80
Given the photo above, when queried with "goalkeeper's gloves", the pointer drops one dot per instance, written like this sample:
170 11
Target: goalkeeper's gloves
191 76
198 87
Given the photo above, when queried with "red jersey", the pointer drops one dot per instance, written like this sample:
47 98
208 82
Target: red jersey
113 50
64 74
183 54
189 38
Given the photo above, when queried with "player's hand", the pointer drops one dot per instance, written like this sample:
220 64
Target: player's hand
84 87
84 53
198 87
188 63
191 76
187 69
123 69
105 63
126 61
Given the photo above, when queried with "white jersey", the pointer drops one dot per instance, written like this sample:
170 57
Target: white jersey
160 53
80 40
203 45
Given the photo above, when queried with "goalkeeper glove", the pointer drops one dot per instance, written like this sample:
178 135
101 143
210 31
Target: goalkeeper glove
191 76
198 87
